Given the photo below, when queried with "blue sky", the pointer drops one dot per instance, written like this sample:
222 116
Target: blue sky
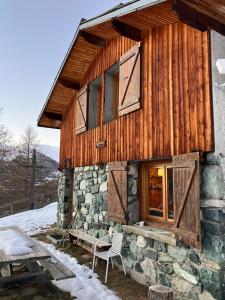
34 38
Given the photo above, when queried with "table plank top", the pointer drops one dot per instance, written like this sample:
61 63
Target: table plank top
39 251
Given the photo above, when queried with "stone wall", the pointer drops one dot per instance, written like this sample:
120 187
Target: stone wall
64 198
90 194
186 270
148 260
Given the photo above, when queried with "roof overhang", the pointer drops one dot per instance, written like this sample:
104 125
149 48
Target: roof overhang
202 14
89 40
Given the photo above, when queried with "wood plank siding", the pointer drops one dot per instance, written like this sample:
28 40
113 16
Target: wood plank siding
176 110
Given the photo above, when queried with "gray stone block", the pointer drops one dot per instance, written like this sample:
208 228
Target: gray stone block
138 268
151 253
194 257
213 185
159 246
213 227
133 170
214 214
212 282
94 189
164 280
165 267
214 243
179 254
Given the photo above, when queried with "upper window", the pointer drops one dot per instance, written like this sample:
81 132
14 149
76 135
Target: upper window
121 90
111 95
94 103
157 192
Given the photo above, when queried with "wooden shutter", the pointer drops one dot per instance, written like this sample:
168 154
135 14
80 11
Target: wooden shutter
117 197
130 81
81 110
186 189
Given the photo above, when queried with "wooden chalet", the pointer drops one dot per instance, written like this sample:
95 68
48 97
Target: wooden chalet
135 103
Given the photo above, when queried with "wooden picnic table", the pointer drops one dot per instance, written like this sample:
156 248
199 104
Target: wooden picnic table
40 262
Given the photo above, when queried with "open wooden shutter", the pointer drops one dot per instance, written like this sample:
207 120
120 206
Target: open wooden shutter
130 81
81 111
186 189
117 197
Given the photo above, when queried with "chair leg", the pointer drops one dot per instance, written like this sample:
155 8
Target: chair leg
123 265
106 273
93 263
112 262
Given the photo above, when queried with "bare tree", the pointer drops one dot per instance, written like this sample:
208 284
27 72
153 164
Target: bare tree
5 141
29 141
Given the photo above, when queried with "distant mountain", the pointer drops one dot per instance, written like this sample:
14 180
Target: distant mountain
50 151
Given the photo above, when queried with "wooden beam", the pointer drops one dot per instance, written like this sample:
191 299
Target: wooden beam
192 17
93 39
126 30
53 116
69 84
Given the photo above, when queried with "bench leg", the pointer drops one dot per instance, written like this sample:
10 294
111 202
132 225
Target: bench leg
107 268
6 271
93 263
112 262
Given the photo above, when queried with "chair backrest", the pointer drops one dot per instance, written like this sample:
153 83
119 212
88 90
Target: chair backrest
117 240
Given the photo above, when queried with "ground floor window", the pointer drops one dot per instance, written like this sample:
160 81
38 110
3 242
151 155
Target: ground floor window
157 192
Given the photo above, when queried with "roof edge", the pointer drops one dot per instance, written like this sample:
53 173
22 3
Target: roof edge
128 8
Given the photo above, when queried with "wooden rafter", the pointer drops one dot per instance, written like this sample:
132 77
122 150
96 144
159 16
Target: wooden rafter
53 116
93 39
69 84
126 30
197 17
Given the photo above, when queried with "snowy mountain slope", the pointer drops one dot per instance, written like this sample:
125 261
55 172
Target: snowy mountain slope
48 150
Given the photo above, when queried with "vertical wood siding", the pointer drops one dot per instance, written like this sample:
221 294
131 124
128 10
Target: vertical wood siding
176 113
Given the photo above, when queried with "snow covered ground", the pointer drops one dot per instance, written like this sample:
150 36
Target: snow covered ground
86 285
32 221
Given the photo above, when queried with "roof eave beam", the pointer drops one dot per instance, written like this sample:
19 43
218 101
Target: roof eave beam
69 84
93 39
53 116
195 18
126 30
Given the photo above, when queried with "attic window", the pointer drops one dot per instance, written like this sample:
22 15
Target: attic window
94 103
111 97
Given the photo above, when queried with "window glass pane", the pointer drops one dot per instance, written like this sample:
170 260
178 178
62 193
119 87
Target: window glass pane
155 191
170 193
111 96
94 101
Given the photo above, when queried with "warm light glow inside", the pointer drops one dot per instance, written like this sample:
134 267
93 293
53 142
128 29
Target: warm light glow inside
160 172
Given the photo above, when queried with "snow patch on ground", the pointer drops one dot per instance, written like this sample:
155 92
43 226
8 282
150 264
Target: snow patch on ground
86 284
13 243
32 221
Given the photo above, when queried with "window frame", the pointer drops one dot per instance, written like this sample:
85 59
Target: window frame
99 104
115 97
165 220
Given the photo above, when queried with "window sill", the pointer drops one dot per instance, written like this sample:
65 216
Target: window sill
152 233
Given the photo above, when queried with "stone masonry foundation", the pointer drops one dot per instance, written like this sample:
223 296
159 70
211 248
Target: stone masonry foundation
151 261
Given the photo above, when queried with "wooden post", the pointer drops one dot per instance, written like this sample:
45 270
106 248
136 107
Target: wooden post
160 292
33 179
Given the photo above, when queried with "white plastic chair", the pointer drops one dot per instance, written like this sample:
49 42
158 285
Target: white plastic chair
114 251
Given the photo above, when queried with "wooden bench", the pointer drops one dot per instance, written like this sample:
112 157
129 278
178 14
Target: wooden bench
86 241
56 269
